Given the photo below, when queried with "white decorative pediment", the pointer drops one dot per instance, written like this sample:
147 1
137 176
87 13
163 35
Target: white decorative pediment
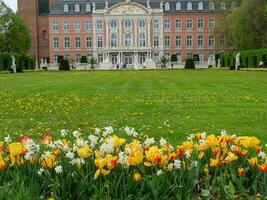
127 9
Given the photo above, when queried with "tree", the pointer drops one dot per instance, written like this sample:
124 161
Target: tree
92 62
164 60
14 34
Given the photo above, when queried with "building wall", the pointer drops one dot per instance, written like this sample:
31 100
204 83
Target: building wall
194 32
27 10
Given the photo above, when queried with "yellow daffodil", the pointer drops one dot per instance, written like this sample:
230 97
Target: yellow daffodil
118 141
84 152
188 145
211 141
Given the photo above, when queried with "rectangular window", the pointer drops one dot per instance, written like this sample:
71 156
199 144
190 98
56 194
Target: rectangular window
156 41
201 57
178 41
167 41
178 24
89 42
78 58
67 43
189 55
200 24
211 23
167 24
99 25
78 42
100 58
77 25
211 41
55 26
88 25
55 43
189 42
189 24
100 42
200 41
66 25
156 24
156 57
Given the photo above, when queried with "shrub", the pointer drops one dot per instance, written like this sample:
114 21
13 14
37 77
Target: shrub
23 62
64 64
190 64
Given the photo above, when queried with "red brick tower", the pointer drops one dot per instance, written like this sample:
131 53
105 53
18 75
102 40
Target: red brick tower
35 14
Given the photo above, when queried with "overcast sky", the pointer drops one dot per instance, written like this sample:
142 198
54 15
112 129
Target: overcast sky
12 4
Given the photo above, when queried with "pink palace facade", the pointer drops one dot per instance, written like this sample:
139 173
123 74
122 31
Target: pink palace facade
132 32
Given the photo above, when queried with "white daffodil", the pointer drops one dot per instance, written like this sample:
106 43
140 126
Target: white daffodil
70 155
59 169
190 137
40 171
7 139
223 133
76 134
149 141
162 142
63 133
93 140
262 155
177 164
159 172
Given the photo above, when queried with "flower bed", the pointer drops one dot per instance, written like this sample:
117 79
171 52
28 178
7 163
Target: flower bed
105 165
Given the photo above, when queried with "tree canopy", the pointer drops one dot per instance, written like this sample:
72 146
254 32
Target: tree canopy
14 33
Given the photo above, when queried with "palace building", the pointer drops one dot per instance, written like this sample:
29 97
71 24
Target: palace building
118 32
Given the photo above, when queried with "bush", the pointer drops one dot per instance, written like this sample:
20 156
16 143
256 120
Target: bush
190 64
64 64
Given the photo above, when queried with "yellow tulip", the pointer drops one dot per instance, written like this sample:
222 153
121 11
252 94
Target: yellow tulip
214 162
48 161
249 142
201 154
231 157
100 162
137 177
84 152
253 161
118 141
15 149
2 163
188 145
211 141
136 158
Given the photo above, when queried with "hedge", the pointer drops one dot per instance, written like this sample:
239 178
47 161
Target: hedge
249 58
23 62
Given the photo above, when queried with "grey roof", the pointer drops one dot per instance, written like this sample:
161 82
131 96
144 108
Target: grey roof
58 7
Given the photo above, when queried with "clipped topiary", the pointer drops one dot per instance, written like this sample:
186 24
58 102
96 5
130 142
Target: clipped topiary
190 64
64 65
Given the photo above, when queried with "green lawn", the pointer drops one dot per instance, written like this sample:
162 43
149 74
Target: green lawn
158 103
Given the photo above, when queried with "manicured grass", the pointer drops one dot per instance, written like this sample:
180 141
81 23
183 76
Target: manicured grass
158 103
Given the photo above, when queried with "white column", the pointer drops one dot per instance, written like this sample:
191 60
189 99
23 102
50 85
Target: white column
107 33
135 32
149 32
120 32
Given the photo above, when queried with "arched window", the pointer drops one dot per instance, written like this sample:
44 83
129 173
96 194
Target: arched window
167 6
77 7
142 40
66 8
128 40
189 6
127 23
211 6
113 41
113 24
200 6
88 7
178 6
142 23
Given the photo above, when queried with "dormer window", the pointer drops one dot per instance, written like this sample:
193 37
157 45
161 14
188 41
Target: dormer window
88 7
223 7
178 6
167 6
189 6
66 8
200 6
77 7
211 6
